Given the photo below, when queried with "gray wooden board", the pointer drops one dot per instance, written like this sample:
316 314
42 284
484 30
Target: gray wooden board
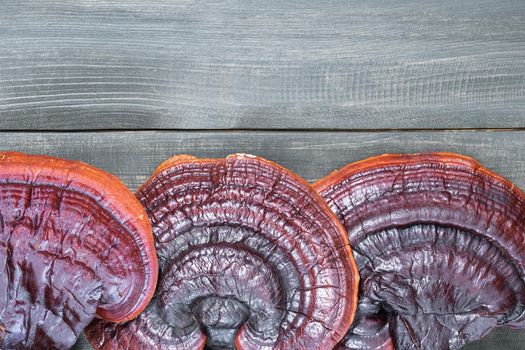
133 156
498 339
92 64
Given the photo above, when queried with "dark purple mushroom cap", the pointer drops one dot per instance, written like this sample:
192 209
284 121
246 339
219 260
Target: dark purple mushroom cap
250 257
439 241
74 244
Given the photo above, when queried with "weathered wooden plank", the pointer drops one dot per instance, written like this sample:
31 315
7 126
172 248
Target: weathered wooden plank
93 64
498 339
134 155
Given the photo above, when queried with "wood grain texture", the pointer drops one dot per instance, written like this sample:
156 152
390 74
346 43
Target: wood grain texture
93 64
498 339
224 64
134 155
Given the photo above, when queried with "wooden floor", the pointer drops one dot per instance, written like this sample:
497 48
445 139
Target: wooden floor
312 85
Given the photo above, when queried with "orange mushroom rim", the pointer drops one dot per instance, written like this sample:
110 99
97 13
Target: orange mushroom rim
111 195
392 159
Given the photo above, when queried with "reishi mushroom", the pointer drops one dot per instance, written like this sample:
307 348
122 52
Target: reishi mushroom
74 244
250 257
439 241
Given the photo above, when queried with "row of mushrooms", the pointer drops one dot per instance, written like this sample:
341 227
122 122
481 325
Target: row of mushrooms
399 252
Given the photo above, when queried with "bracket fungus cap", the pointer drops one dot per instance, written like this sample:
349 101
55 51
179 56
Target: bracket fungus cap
439 241
74 244
250 257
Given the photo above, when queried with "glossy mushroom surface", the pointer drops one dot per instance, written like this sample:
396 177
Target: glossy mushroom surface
250 258
74 244
439 241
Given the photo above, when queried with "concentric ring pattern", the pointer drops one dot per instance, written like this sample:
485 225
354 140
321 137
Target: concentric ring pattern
250 257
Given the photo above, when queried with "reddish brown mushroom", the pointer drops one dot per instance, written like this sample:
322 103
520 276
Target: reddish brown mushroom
74 244
250 257
439 243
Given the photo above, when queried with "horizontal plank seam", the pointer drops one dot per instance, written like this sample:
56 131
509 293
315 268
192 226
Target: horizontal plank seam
245 130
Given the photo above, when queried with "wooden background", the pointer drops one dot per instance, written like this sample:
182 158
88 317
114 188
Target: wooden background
311 85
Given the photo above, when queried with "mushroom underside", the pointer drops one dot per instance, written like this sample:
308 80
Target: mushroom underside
438 242
447 288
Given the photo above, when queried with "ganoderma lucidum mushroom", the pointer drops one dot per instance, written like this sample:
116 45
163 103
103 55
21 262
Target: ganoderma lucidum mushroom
74 244
250 257
439 241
